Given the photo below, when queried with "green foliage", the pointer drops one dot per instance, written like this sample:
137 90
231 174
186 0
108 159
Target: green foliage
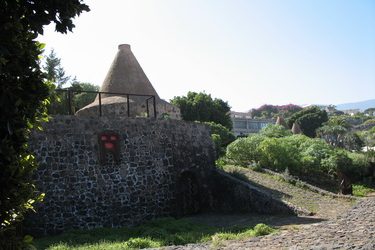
275 131
23 98
157 233
361 190
54 70
262 229
201 107
313 151
369 122
338 120
309 119
337 161
368 137
82 99
370 111
268 111
221 136
278 154
245 151
336 132
332 134
301 155
360 166
310 159
139 243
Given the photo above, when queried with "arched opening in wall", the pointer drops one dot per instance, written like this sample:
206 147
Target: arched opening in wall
188 194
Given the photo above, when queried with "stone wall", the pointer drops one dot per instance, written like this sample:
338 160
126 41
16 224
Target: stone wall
165 168
146 183
231 194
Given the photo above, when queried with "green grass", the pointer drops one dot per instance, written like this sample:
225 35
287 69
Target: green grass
157 233
361 190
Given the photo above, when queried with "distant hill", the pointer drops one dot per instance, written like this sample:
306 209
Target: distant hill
357 105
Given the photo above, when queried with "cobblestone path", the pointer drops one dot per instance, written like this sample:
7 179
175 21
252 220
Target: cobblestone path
353 230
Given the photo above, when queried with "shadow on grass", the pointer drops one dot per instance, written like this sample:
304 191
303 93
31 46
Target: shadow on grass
169 231
157 233
251 219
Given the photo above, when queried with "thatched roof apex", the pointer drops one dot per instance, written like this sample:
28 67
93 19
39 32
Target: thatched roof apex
126 75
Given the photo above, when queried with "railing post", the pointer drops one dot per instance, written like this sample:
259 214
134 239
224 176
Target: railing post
100 104
154 107
147 110
69 103
128 102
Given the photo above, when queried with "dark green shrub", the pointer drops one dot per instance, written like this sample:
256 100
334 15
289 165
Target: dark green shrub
360 166
309 119
221 136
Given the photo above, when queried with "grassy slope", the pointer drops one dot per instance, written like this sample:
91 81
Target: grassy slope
321 205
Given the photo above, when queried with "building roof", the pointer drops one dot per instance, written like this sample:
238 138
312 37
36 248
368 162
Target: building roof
296 129
126 75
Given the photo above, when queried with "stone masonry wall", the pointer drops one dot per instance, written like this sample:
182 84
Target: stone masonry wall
82 193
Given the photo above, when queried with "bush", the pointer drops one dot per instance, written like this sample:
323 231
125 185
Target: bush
262 229
275 131
221 136
279 154
360 166
337 161
138 243
360 190
245 151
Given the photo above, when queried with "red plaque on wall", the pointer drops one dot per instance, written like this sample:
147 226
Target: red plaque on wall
109 143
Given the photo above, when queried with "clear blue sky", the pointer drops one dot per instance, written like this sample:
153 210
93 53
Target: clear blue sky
246 52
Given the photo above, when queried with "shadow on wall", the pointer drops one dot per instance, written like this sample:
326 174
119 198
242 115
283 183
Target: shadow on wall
188 194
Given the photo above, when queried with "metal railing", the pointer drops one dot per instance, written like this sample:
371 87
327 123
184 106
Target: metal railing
69 94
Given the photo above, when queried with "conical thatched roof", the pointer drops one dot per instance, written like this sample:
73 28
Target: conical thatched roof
126 75
296 129
280 121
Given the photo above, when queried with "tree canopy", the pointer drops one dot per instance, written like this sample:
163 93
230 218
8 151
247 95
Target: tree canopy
202 107
54 70
309 119
23 96
271 111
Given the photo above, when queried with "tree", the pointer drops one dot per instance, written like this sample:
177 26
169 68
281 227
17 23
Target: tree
201 107
333 134
370 111
309 119
336 132
59 103
23 98
82 99
221 137
54 70
268 111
